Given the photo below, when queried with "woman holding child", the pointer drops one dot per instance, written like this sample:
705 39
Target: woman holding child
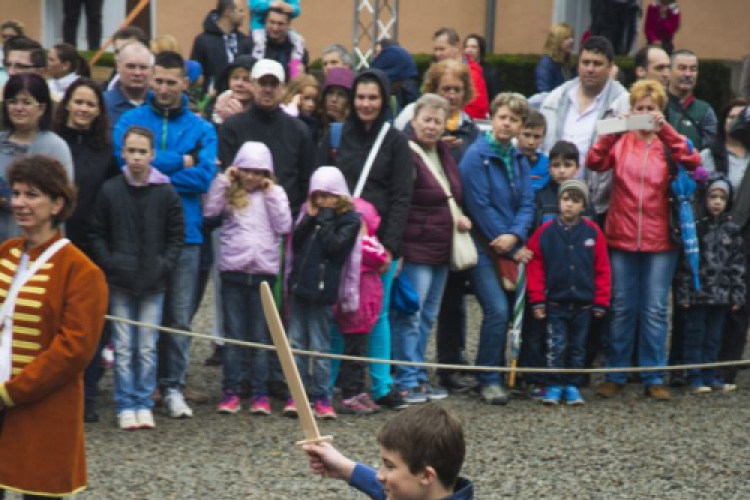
499 199
643 255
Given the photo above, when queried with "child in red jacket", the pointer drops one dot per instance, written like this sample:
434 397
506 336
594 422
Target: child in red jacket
662 22
569 278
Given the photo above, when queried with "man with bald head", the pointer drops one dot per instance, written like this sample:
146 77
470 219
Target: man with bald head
652 63
134 65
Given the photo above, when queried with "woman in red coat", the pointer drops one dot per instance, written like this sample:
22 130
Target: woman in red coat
49 331
643 257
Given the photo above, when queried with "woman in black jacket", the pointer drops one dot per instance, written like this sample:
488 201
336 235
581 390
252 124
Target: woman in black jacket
388 188
81 121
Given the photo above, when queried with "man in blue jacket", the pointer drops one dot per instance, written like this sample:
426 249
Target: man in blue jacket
185 152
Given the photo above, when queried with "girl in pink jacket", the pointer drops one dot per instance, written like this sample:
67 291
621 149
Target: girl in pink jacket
356 325
255 214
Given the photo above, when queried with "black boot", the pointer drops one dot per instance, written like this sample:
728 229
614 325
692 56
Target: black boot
216 357
90 415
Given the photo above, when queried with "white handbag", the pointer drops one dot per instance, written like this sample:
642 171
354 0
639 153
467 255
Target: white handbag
463 250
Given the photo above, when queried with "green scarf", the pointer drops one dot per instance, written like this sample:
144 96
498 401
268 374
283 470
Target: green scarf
504 152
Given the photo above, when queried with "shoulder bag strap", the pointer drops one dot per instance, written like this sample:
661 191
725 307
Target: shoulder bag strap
370 160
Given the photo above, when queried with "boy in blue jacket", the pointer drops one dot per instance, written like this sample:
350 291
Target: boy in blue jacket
569 280
422 450
529 141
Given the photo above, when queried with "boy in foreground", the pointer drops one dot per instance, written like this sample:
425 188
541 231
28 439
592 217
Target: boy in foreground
422 450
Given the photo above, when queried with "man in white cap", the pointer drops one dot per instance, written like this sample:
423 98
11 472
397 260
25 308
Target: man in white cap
288 138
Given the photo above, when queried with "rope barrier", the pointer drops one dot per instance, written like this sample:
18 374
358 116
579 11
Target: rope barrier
467 368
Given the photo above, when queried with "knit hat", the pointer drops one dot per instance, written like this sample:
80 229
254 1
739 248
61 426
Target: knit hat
575 185
340 77
720 184
194 70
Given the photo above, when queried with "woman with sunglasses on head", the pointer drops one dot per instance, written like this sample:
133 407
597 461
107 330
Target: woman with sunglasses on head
26 119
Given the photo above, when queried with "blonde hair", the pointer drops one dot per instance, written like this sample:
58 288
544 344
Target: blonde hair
648 88
558 33
516 102
449 67
236 194
345 204
298 84
165 43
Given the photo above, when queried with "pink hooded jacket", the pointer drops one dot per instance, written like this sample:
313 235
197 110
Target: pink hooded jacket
370 286
250 236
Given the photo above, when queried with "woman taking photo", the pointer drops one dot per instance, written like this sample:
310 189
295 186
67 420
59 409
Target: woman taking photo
556 66
642 253
388 188
500 202
427 244
27 118
49 334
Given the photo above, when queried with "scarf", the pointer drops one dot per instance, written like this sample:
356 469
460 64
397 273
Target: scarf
504 152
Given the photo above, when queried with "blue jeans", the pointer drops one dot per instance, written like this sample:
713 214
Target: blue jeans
244 320
703 331
410 333
310 330
183 283
567 328
640 288
135 348
494 329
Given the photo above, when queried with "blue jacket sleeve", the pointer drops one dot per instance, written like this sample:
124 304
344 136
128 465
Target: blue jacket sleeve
168 162
365 480
525 215
197 179
545 79
477 196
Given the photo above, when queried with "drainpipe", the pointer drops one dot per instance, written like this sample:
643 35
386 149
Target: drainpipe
489 26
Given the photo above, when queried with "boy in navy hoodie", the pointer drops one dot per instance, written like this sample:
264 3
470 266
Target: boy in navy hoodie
422 450
569 280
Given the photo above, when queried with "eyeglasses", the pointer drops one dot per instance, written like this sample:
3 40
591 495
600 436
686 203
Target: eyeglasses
25 103
448 90
20 66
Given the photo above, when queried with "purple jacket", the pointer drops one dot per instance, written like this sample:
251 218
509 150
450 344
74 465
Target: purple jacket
250 236
428 235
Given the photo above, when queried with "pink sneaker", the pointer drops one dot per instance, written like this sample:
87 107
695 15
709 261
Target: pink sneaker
323 409
230 403
259 405
366 400
290 409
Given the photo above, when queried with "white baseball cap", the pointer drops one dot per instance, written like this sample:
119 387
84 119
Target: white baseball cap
267 67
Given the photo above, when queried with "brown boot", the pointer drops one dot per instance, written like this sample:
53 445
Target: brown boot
609 389
658 392
194 395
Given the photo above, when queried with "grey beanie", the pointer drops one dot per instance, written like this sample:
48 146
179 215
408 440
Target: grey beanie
575 185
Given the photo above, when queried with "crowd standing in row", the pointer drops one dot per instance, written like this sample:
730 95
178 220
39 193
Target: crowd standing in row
372 204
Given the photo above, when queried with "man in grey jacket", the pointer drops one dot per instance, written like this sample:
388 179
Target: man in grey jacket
573 108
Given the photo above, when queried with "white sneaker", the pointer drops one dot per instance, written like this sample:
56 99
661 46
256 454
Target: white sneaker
145 419
127 420
176 405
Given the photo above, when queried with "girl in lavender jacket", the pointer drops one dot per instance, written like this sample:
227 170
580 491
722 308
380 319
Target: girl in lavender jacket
255 213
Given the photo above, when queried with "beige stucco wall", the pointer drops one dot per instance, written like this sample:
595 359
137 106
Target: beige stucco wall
714 29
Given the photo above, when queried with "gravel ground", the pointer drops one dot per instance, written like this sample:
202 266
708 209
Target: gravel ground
695 447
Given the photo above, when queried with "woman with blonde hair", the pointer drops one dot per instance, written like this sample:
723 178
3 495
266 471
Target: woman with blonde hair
556 66
302 100
165 43
643 250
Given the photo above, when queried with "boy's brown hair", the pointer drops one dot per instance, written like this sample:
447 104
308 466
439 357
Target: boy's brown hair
534 120
427 436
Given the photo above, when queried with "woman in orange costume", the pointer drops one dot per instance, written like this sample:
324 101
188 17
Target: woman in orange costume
46 338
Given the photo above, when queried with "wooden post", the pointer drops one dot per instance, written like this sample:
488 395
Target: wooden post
293 380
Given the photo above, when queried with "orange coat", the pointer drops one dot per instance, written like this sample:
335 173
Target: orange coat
56 327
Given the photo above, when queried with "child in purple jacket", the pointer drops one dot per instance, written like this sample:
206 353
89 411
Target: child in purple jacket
255 213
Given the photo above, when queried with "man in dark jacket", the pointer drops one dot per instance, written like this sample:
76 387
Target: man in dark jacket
288 138
220 41
279 42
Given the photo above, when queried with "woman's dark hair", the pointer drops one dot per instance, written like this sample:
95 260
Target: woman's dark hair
48 176
39 90
68 54
100 125
718 149
482 45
